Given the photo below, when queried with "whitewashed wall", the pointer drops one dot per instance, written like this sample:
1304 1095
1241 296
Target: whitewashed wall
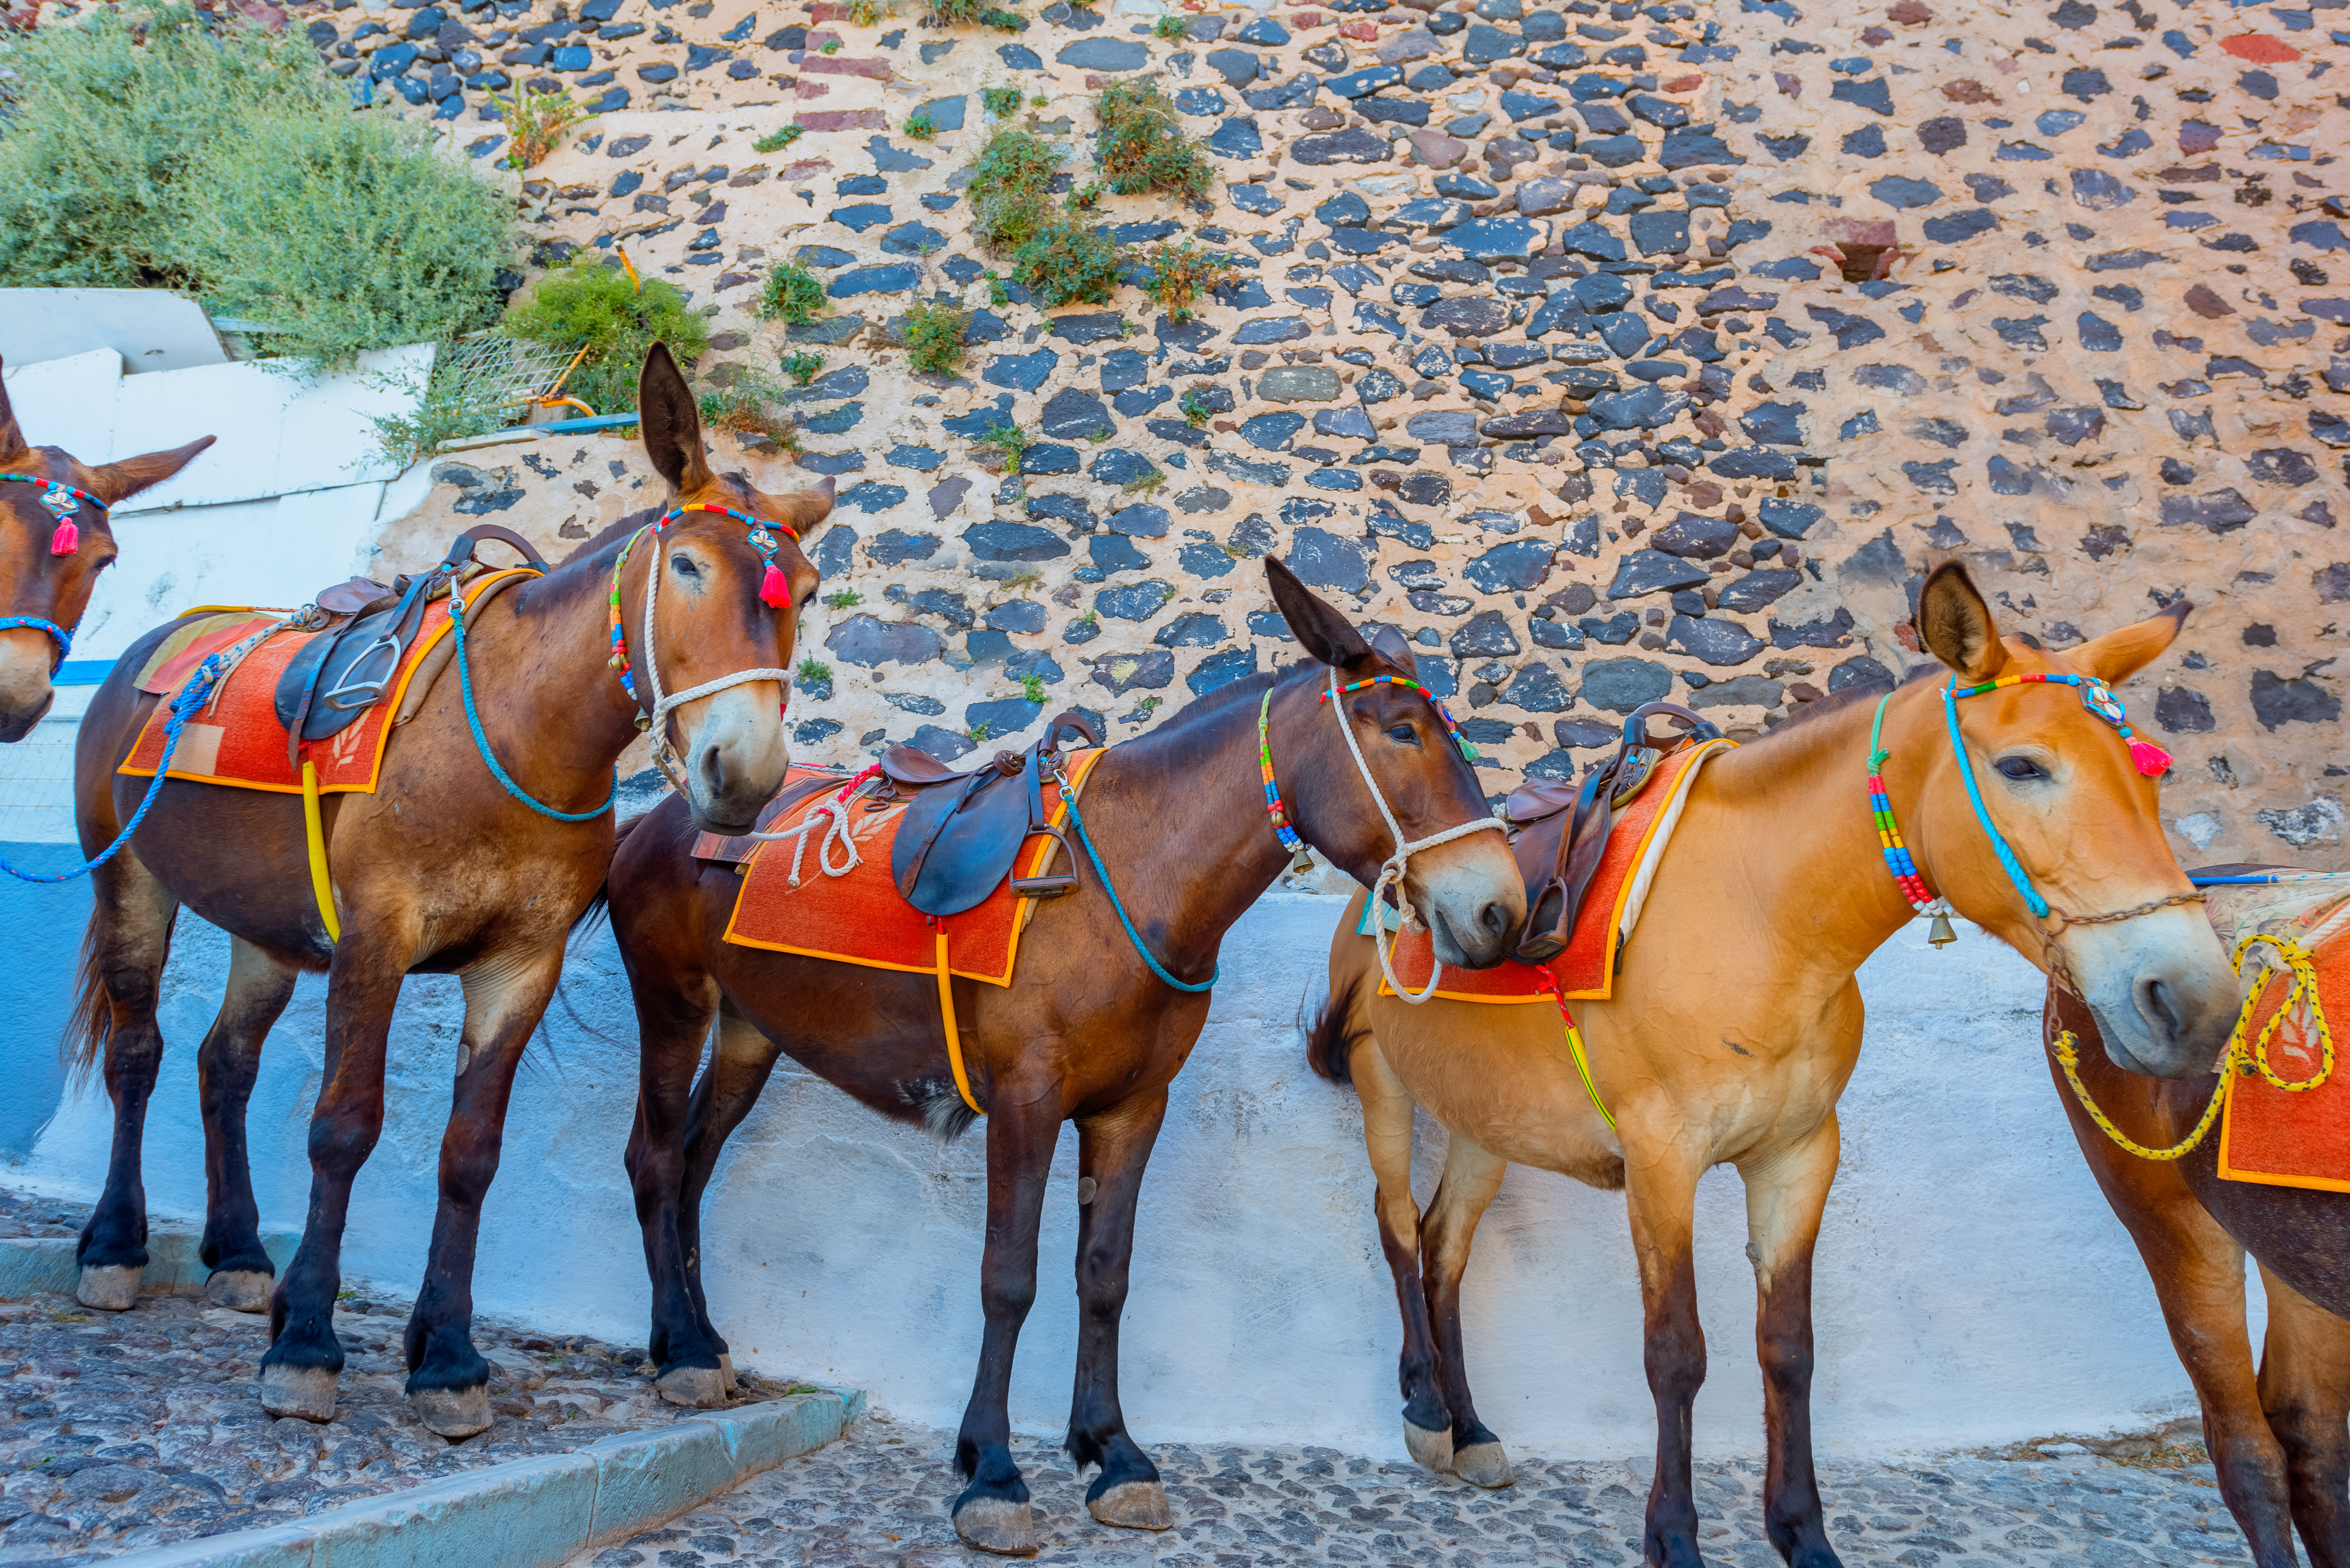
1972 1285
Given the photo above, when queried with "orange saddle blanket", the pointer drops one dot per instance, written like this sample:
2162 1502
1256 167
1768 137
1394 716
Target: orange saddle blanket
235 738
2290 1138
859 918
1586 970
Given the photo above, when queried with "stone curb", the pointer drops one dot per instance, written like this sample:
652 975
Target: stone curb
536 1512
31 1264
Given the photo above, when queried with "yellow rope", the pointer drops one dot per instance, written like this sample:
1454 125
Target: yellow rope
2300 989
954 1035
322 886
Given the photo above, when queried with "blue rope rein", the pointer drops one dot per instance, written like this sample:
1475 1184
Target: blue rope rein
61 635
190 697
1077 820
482 742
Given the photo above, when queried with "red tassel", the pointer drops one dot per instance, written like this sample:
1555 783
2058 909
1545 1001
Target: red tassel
2151 760
774 588
66 540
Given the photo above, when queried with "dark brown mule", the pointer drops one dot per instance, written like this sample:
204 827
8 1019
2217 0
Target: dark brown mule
2280 1436
1086 1033
440 871
46 587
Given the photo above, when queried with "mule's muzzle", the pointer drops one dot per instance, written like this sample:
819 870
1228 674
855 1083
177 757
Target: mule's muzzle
735 760
26 693
1475 904
2164 997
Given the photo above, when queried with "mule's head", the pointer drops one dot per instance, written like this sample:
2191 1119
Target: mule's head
40 580
718 613
2060 783
1468 891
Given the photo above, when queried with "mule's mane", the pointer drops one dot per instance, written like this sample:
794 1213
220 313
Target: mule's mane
594 542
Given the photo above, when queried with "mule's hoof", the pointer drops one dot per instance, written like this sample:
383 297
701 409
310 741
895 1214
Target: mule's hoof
1482 1464
1133 1505
726 1368
695 1387
993 1525
111 1287
453 1412
240 1290
1430 1451
304 1391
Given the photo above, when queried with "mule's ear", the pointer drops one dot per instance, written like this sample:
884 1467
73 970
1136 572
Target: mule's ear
1956 626
12 438
2120 654
121 481
671 423
810 506
1319 629
1389 644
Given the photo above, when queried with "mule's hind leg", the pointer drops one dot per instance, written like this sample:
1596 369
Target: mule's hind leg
226 1064
1386 1137
1785 1194
1112 1149
448 1378
2305 1389
1660 1184
994 1512
1472 1177
739 1070
123 966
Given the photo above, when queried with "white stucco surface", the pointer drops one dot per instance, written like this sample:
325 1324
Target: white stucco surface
152 328
1972 1285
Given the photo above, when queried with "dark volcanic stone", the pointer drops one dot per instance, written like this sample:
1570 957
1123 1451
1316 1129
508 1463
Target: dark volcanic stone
1697 537
1518 566
1325 560
1124 672
1001 541
863 639
1137 601
1485 635
1653 571
1713 639
1349 146
1621 685
1107 54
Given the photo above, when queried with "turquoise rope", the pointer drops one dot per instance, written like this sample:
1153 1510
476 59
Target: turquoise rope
190 697
1069 798
2015 874
61 636
482 742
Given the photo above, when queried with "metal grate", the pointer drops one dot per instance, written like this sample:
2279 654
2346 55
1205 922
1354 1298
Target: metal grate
490 369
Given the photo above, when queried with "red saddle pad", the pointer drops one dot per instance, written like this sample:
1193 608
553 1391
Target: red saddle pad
2282 1137
1586 970
860 918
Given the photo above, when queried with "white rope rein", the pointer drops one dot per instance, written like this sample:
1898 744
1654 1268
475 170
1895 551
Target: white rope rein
1399 863
664 754
835 813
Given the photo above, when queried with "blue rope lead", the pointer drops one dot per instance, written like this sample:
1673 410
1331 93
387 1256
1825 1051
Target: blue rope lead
1069 798
190 697
60 635
482 742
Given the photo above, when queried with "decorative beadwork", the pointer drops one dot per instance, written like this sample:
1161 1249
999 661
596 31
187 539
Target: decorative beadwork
1452 725
1273 808
62 501
2097 698
762 541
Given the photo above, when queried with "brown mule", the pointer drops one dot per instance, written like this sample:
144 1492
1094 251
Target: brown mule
2280 1435
439 870
1700 1065
45 586
1085 1033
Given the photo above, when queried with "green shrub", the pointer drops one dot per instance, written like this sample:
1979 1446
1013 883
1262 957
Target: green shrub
843 598
341 235
776 140
1067 261
919 126
1001 103
1170 28
802 366
744 408
1179 275
1009 439
813 671
1195 408
1011 189
1141 146
596 305
791 293
103 127
453 407
934 337
974 14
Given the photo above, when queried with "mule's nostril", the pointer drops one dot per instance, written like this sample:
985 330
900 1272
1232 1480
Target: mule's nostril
1493 920
2157 1003
714 770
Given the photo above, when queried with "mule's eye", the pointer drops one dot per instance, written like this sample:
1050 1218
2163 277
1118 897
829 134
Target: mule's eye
1403 734
685 567
2019 769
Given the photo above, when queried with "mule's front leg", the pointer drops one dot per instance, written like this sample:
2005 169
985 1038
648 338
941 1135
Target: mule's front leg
1660 1183
130 939
448 1379
739 1069
1472 1177
1112 1149
226 1064
994 1512
1786 1195
299 1373
1387 1138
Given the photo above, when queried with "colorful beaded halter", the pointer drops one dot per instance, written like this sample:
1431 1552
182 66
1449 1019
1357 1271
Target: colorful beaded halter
1273 804
62 501
774 588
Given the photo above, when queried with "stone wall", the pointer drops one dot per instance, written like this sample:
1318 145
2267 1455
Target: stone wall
1612 352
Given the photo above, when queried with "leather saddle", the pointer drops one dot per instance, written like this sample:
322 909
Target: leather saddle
350 667
961 831
1562 830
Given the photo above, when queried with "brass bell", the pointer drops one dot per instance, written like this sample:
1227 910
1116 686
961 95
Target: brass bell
1302 862
1939 933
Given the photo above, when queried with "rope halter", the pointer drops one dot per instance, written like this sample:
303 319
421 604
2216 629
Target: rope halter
1393 872
62 501
775 589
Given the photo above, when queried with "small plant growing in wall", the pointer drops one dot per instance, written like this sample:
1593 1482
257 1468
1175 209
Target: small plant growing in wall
538 123
1011 189
843 598
744 409
1033 688
1181 274
1141 147
776 140
934 337
1170 28
792 294
831 46
1023 579
617 317
1009 439
920 127
1195 408
1066 262
996 293
972 14
1002 102
868 12
814 677
802 366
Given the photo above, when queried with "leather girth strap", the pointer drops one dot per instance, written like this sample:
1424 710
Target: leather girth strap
1558 849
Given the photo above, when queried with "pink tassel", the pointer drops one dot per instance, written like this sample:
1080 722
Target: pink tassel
2151 760
66 540
774 588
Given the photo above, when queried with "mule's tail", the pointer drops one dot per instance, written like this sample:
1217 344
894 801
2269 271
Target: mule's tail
601 905
1331 1035
83 1043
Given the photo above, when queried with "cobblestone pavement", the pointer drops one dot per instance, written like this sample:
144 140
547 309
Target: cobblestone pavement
879 1500
130 1431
